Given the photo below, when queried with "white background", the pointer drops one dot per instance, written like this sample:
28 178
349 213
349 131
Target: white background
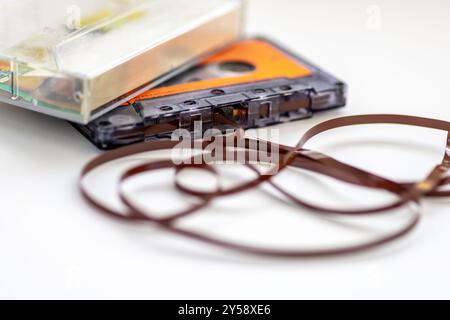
394 56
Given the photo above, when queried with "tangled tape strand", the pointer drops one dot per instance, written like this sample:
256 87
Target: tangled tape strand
294 157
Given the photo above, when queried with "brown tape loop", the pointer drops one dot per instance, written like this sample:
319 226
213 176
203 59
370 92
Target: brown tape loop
298 157
154 166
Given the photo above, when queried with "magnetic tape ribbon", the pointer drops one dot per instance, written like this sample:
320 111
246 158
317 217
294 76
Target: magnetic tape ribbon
296 157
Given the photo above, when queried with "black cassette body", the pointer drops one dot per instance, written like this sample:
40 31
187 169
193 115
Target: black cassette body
254 83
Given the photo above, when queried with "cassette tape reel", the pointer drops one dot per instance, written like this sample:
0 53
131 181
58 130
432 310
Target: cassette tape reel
254 83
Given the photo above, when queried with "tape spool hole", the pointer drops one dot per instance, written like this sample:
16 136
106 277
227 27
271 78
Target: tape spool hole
286 88
217 92
166 108
190 103
104 123
259 90
237 66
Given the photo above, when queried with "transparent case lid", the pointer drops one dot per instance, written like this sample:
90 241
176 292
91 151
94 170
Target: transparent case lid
77 59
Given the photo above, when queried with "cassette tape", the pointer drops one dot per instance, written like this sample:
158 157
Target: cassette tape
253 82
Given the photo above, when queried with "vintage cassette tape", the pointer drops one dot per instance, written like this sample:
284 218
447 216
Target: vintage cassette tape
253 83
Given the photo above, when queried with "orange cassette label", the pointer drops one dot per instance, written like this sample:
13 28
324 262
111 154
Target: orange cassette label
263 60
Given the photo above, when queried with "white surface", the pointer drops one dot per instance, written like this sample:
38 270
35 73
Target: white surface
53 245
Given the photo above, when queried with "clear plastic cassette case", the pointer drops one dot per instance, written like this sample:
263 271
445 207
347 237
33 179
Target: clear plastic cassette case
78 59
